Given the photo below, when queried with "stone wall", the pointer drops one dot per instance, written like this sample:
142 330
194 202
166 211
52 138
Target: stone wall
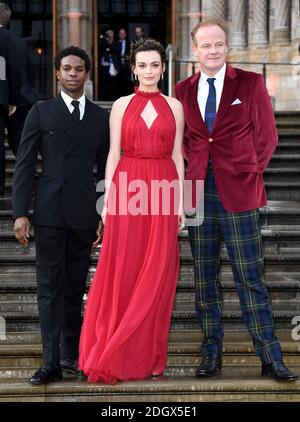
261 31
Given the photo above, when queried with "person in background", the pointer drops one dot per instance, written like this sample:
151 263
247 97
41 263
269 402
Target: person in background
125 86
109 67
17 94
139 34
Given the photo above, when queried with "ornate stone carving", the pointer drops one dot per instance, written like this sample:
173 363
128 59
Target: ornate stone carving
282 17
214 8
238 27
260 19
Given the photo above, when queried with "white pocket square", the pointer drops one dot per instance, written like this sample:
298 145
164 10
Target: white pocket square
236 102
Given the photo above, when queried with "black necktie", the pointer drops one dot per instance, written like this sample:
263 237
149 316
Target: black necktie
76 112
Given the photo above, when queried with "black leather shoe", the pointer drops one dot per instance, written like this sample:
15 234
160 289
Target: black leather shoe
70 365
278 371
82 376
46 374
210 367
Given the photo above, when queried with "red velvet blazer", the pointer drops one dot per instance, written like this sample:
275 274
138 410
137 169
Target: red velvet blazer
242 141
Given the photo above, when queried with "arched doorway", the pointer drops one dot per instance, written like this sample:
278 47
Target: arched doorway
156 17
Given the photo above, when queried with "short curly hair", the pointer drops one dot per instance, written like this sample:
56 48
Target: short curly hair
72 51
147 44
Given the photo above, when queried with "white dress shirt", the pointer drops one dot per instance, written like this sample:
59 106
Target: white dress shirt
68 100
203 89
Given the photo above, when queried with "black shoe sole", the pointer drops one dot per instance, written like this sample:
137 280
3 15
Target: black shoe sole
47 382
209 375
70 371
269 375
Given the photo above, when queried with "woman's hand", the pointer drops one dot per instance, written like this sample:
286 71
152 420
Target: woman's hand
181 221
99 234
103 214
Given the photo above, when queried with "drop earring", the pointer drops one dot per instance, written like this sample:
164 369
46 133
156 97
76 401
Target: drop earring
135 77
162 76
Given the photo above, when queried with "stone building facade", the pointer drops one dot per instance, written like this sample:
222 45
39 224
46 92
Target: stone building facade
264 35
261 31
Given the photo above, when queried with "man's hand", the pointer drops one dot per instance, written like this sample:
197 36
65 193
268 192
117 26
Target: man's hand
22 230
11 110
99 234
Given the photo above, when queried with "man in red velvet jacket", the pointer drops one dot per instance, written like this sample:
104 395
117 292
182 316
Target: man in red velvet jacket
230 137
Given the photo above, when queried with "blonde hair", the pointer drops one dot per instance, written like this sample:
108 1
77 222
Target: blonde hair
210 22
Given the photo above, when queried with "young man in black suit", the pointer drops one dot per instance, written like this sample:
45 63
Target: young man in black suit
70 132
16 91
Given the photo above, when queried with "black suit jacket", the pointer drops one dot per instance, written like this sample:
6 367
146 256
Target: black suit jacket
127 47
66 193
17 89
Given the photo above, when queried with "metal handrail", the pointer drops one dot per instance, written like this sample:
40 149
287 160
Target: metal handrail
263 64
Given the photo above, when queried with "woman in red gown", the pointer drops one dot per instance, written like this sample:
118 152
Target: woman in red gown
129 306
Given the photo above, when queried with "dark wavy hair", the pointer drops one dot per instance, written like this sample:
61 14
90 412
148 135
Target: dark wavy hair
147 44
72 51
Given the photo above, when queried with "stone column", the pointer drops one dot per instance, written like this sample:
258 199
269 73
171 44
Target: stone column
77 29
213 9
260 28
297 18
185 36
238 26
194 16
282 19
75 19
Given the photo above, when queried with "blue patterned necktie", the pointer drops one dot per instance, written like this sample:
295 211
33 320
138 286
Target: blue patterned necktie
211 105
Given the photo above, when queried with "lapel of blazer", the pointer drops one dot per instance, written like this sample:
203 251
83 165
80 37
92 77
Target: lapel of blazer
229 88
85 127
193 97
62 117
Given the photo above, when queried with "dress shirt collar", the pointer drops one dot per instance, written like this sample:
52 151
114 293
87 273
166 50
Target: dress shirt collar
219 76
68 100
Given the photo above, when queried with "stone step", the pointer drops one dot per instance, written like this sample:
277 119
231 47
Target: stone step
284 170
276 191
285 147
228 387
17 282
283 161
280 213
179 367
16 340
286 135
12 253
184 300
24 317
18 296
26 304
285 261
283 191
20 361
291 174
276 237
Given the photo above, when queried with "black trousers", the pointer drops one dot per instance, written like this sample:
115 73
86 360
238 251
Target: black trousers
62 262
14 125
